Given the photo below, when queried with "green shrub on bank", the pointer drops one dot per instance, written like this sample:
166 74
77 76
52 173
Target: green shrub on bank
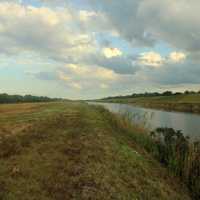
180 155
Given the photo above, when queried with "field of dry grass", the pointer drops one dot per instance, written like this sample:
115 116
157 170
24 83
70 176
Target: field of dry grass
62 151
16 118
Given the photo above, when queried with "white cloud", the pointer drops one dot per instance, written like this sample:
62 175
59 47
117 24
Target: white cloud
152 59
177 56
111 52
77 69
79 77
90 72
105 74
53 33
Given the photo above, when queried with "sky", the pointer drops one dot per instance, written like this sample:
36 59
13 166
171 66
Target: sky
86 49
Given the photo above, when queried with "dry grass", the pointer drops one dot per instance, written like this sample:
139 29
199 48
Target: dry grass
17 118
13 109
76 151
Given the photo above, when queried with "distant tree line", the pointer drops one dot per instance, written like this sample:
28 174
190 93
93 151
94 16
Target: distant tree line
6 98
152 94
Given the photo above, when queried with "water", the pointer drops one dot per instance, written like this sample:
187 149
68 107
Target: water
187 122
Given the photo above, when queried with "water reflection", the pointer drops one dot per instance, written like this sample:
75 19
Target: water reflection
188 123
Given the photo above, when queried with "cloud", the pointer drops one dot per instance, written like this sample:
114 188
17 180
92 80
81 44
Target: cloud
57 34
60 76
87 15
111 52
44 75
104 86
152 59
172 73
108 45
42 30
123 19
80 76
92 72
156 60
76 69
177 56
145 22
173 22
115 60
76 85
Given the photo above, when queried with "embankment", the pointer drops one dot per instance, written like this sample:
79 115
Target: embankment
76 151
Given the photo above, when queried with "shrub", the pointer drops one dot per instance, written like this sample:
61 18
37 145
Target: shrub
180 155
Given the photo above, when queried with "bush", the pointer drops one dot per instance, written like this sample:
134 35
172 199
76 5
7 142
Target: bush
180 155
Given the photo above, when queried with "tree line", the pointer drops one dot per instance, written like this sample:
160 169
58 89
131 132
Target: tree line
6 98
152 94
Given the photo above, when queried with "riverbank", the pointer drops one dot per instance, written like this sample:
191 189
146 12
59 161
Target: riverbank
182 103
76 151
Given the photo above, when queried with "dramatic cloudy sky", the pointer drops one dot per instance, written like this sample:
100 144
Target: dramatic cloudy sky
96 48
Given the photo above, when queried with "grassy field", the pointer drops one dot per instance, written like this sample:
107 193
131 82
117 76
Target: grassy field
62 151
183 102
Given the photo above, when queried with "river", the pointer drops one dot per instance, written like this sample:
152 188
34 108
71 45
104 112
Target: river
188 123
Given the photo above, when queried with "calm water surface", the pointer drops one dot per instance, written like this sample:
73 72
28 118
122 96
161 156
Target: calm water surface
188 123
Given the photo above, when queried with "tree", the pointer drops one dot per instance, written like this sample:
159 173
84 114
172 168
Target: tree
167 93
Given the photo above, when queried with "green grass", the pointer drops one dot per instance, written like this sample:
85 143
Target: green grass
183 102
77 151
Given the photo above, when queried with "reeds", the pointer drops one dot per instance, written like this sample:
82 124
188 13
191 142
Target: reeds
171 148
180 155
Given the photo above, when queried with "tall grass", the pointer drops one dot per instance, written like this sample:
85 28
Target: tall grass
180 155
139 119
170 147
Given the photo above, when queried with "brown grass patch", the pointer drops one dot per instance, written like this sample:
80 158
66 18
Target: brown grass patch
13 109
